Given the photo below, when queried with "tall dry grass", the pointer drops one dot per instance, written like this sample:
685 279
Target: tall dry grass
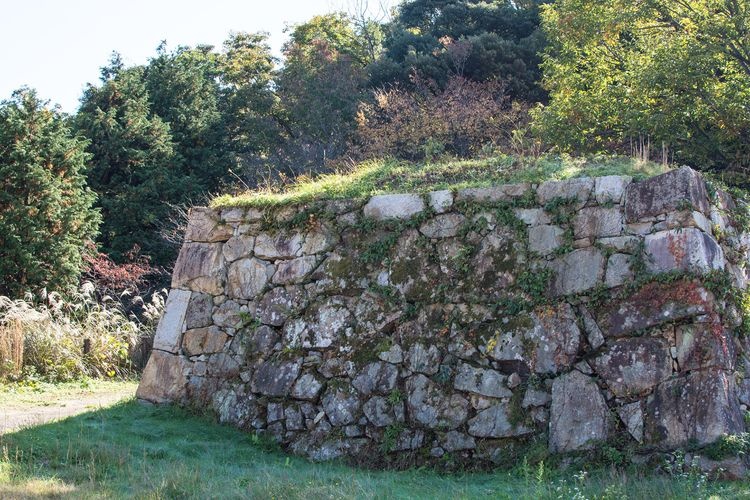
63 338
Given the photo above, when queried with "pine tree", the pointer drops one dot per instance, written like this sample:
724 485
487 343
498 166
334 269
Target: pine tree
46 214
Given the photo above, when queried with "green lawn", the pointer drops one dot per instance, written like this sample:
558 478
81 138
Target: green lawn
130 450
392 176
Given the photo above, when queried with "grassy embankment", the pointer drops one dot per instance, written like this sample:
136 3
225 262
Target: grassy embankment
392 176
129 450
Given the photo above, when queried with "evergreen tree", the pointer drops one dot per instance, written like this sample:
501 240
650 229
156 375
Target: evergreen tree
132 163
46 214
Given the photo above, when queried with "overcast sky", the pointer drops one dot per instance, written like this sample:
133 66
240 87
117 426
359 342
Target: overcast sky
57 46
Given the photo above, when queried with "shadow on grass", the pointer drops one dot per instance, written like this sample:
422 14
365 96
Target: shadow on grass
130 450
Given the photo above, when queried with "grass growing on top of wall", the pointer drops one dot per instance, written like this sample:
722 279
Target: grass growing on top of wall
135 451
393 176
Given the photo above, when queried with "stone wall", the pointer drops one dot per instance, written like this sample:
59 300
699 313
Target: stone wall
465 325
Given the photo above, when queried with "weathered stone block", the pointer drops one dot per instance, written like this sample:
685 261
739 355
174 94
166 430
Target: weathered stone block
423 359
533 216
503 193
632 416
238 247
494 423
704 345
545 239
632 367
442 226
199 310
247 278
619 270
430 406
481 381
665 193
200 268
577 271
578 416
171 325
278 246
393 206
163 379
204 341
204 226
611 189
279 303
275 378
295 270
307 388
576 189
377 378
700 407
341 405
440 201
682 249
598 222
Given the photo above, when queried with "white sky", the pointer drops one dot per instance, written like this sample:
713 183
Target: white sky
57 46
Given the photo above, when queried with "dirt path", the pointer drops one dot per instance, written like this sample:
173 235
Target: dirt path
27 412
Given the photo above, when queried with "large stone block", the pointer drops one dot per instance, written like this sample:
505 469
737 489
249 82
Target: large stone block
430 406
611 188
632 367
205 226
295 270
577 271
598 222
275 378
247 278
342 405
494 194
481 381
278 246
163 379
688 249
545 239
171 325
442 226
204 341
578 189
200 268
665 193
579 417
494 422
393 206
698 407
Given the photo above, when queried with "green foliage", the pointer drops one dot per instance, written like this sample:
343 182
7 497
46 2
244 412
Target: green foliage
46 214
674 74
475 39
734 445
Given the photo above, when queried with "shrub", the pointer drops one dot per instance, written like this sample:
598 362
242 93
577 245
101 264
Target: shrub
463 119
63 339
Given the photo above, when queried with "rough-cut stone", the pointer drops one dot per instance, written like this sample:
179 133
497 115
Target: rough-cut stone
307 388
481 381
593 332
341 405
275 378
611 188
247 278
169 331
627 244
329 323
163 379
222 365
532 216
235 407
204 341
578 415
442 226
422 359
503 193
700 407
229 315
204 226
632 367
278 246
632 416
494 423
233 215
295 270
260 342
577 189
545 239
200 268
431 407
393 206
535 397
440 201
393 355
704 345
238 247
619 270
687 249
577 271
665 193
598 222
279 303
377 378
653 305
320 240
457 441
199 310
381 413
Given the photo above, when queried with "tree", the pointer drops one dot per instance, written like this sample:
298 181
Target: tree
677 72
46 214
474 39
132 163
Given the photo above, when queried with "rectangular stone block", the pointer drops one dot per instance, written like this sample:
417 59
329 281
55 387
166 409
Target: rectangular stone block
169 332
688 249
665 193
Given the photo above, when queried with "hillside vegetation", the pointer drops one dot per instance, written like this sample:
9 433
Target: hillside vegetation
394 176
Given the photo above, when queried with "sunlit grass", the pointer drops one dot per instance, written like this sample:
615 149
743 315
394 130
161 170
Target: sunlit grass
135 451
390 176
